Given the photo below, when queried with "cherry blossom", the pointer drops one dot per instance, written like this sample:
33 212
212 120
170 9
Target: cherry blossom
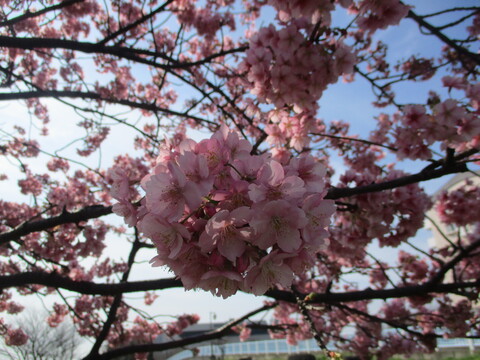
15 337
220 132
192 217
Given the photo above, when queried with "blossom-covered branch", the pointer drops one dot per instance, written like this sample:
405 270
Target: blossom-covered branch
218 135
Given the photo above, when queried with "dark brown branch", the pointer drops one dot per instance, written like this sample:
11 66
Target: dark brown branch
112 314
90 288
58 281
211 335
257 144
369 294
306 315
436 32
337 193
94 96
470 8
29 15
459 21
390 323
133 54
374 84
112 117
363 141
85 47
454 261
134 24
96 211
89 212
425 253
382 268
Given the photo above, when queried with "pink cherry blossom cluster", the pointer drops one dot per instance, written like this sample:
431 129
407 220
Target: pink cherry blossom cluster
93 141
20 147
15 337
285 325
374 14
142 332
291 130
414 270
58 315
225 220
313 10
365 338
449 123
182 322
9 306
244 331
206 21
418 68
368 337
12 336
395 343
397 219
378 278
474 29
284 68
456 317
455 207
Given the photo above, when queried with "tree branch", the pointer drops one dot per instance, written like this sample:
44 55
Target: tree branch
350 139
23 95
109 289
369 294
454 261
112 314
382 90
390 323
211 335
306 315
29 15
89 212
58 281
469 8
133 54
134 24
436 32
333 193
424 175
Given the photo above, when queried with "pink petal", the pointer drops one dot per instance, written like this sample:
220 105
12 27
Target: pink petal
231 248
290 240
241 215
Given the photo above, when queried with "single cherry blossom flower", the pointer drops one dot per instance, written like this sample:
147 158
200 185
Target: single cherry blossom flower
126 210
271 184
195 168
270 271
310 171
226 231
167 236
221 283
278 223
318 212
168 194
